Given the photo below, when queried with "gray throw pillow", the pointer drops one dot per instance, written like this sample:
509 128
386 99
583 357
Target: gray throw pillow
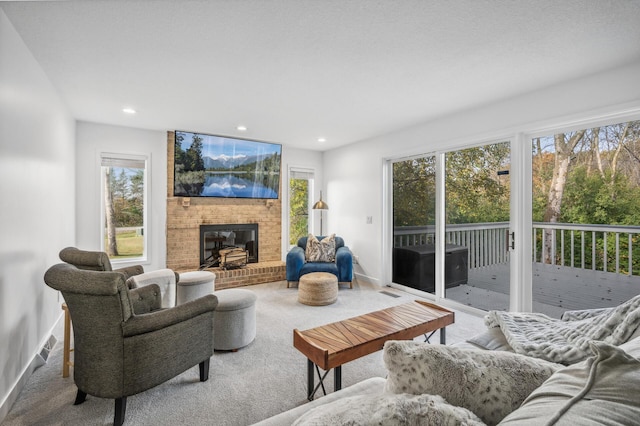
490 384
602 390
493 339
388 410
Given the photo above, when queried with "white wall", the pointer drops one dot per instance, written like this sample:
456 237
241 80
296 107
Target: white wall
301 158
94 139
354 174
37 179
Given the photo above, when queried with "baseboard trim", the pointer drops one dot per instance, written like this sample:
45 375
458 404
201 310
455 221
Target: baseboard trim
38 360
367 278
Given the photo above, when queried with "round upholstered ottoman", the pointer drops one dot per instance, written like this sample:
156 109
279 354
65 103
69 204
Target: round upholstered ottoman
234 320
193 285
318 289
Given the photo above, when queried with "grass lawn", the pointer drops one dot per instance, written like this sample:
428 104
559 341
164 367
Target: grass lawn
129 245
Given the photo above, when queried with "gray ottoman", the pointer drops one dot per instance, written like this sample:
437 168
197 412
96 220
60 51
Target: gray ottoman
193 285
234 320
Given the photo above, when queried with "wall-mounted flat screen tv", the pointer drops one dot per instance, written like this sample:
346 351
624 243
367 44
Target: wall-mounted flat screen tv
221 166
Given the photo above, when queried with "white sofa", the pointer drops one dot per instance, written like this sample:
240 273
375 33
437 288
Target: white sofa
604 389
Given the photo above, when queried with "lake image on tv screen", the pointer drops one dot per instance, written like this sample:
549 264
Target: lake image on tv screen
216 166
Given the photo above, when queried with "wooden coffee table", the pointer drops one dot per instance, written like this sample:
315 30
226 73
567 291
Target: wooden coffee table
329 346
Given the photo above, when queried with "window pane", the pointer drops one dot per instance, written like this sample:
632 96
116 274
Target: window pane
477 261
414 212
124 196
586 212
298 209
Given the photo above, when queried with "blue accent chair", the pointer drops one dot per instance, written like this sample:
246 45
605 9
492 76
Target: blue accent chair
341 268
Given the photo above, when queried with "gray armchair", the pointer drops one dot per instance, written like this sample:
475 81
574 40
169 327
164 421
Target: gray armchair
135 275
125 343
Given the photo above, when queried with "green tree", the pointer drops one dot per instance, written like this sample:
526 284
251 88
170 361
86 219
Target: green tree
475 191
135 201
193 161
180 156
298 209
591 199
414 192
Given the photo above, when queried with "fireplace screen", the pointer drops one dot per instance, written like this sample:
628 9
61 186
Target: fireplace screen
214 238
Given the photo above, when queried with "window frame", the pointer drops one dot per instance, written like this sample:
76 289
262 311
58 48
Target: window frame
145 159
291 171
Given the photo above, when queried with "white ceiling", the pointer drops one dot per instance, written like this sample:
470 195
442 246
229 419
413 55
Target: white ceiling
296 70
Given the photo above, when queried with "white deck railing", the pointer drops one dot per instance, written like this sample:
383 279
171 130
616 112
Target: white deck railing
595 247
606 248
486 242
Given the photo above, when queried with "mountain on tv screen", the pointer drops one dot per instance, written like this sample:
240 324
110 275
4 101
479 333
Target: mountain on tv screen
220 166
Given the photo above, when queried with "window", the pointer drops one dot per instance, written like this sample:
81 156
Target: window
124 206
300 189
585 210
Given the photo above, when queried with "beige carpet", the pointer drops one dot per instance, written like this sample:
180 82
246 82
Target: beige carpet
258 381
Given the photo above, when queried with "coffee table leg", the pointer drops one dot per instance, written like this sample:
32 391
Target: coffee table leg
310 377
443 336
311 387
337 378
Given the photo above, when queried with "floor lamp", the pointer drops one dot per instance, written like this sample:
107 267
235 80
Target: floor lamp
321 205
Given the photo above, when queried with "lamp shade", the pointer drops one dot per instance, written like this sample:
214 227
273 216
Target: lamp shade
320 205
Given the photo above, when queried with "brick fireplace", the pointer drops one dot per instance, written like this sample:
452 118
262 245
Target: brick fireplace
185 215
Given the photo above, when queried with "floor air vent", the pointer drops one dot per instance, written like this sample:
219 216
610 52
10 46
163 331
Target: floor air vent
389 294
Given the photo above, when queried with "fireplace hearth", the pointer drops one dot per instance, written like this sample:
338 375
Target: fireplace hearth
214 238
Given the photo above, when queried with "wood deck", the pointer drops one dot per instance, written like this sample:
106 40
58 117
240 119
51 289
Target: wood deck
555 289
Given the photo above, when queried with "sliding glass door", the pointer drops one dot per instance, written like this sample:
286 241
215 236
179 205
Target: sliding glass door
476 204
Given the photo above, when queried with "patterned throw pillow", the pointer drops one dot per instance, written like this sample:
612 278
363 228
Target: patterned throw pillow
388 410
321 251
491 384
313 248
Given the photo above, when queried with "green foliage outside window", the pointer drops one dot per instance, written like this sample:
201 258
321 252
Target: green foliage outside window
414 192
475 192
126 194
298 209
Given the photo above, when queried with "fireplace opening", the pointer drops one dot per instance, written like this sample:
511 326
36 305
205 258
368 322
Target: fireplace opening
214 238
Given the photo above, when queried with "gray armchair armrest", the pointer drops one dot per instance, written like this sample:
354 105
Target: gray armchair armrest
145 299
130 271
156 320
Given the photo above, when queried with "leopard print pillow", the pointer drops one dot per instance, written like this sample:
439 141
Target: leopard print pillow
491 384
320 251
388 410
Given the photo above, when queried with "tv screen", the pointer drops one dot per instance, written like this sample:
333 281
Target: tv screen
220 166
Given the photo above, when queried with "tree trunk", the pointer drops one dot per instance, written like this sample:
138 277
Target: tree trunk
614 160
595 149
564 150
110 217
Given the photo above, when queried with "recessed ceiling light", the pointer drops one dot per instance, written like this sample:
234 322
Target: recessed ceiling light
241 128
129 110
321 140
